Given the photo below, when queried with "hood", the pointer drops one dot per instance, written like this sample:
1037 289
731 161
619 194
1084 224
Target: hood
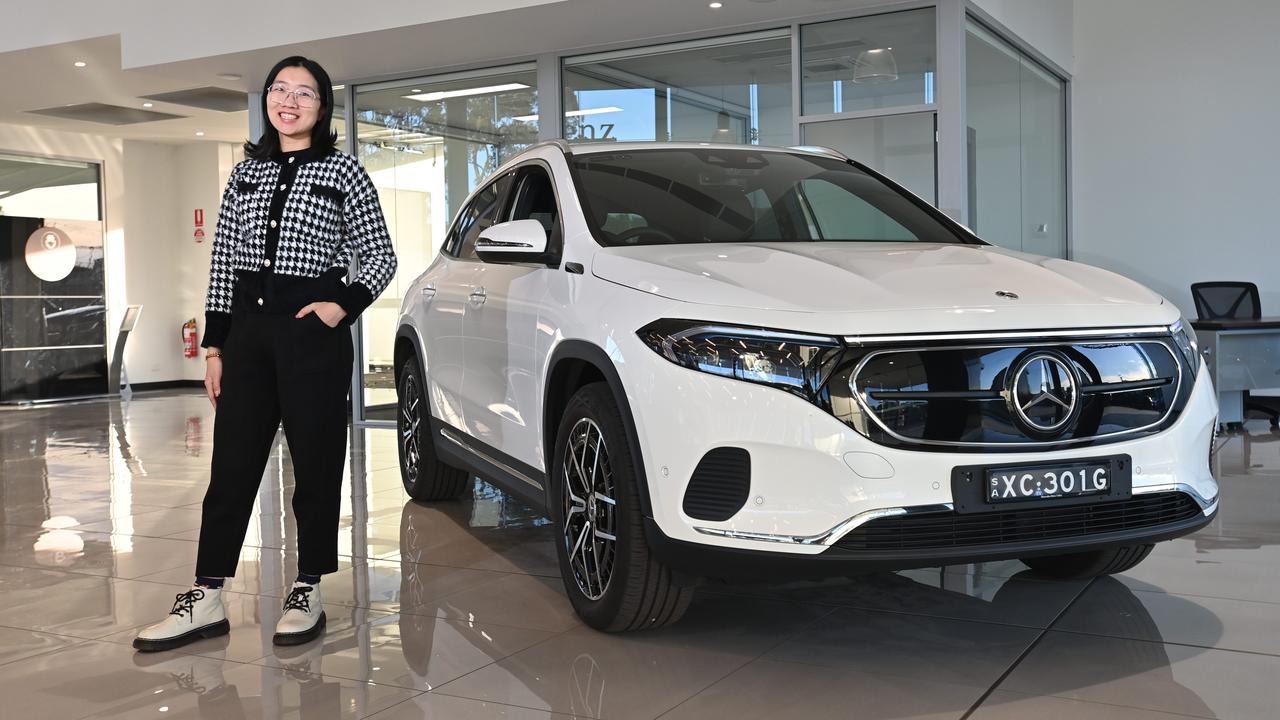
881 277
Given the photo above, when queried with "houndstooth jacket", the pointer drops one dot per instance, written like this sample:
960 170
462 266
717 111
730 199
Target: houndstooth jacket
286 232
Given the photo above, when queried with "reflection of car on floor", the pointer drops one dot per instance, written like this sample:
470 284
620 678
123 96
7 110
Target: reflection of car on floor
720 361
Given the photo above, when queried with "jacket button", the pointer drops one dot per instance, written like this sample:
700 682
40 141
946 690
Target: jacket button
291 160
273 223
259 301
266 263
282 186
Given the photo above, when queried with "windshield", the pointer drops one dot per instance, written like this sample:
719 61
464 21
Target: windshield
718 195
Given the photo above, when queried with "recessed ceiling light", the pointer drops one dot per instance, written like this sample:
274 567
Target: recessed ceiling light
148 104
229 76
716 5
199 133
416 90
81 63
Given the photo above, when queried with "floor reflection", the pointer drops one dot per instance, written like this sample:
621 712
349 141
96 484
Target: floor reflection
457 609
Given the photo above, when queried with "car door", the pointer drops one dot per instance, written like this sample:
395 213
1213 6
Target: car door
446 295
502 386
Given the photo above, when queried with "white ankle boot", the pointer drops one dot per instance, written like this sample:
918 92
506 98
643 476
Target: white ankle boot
196 614
303 617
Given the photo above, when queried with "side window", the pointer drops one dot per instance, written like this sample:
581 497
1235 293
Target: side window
535 199
482 212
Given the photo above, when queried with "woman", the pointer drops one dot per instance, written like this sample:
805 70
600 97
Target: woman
277 350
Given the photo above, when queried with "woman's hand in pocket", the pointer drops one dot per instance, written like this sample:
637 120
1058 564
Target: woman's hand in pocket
329 313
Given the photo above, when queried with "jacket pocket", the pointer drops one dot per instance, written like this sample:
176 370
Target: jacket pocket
244 187
328 191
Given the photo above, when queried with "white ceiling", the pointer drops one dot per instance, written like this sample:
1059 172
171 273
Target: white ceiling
45 76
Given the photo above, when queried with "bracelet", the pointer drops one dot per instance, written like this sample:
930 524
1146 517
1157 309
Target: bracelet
212 355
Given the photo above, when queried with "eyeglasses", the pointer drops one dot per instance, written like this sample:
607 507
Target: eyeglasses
304 96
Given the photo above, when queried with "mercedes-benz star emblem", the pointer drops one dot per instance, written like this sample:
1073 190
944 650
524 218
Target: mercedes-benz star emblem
1044 393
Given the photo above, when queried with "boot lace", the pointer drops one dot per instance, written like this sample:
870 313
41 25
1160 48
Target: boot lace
299 599
185 602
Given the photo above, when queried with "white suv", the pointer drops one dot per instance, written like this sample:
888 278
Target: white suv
728 361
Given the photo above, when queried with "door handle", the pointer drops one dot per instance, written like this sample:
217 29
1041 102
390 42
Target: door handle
428 291
478 296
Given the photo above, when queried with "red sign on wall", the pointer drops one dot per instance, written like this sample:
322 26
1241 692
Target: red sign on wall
199 217
199 221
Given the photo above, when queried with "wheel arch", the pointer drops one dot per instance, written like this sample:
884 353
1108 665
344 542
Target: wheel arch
573 365
407 344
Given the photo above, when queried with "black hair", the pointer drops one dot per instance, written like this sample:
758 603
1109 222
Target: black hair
323 138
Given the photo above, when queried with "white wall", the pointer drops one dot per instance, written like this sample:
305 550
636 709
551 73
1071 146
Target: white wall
166 270
1045 24
1175 156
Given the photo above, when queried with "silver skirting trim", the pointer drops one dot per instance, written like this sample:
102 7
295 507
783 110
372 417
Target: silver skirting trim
832 536
1204 502
447 434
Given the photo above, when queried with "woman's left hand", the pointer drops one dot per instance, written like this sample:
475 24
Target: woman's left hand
329 313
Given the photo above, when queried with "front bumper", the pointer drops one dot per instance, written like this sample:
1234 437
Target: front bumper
743 563
814 480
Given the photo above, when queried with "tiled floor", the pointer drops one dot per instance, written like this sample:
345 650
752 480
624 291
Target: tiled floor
456 610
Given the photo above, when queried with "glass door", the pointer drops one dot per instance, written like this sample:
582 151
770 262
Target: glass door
1016 147
426 144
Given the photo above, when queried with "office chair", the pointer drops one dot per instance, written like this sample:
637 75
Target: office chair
1235 301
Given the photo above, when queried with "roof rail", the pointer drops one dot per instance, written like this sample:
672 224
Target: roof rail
821 150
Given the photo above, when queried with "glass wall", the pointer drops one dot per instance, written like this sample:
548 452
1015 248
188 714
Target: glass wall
1016 147
861 79
426 143
735 90
900 146
865 85
49 187
869 63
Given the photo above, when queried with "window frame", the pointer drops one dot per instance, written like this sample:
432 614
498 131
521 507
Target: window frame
555 239
453 242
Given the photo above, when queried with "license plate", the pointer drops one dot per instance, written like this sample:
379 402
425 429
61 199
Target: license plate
1014 484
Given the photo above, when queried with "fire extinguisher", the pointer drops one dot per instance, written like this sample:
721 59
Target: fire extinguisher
189 338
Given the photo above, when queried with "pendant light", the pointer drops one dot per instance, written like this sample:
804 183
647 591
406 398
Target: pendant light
876 66
723 122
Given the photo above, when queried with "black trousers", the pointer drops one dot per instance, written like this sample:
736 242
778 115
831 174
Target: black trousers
278 369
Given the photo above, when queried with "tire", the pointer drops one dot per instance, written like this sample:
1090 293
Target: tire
1091 564
615 585
424 475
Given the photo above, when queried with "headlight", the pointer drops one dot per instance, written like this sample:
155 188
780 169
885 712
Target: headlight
1185 337
791 361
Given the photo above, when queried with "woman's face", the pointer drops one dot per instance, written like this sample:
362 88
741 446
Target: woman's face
293 102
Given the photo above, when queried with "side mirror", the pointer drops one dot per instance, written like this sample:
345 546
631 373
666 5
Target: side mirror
515 241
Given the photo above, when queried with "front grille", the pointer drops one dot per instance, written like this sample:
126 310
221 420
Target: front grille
954 530
953 396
